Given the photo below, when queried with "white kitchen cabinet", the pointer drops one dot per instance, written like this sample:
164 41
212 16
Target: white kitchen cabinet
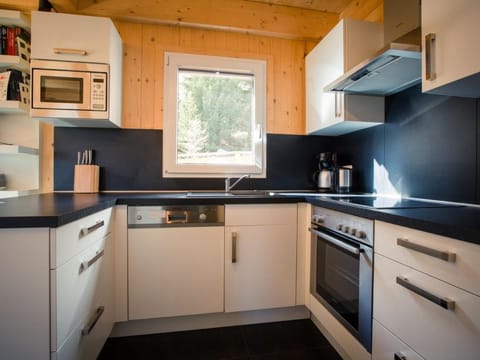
450 51
345 46
175 271
260 256
424 294
67 37
50 308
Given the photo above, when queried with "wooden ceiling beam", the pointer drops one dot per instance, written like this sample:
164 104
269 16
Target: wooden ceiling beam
231 15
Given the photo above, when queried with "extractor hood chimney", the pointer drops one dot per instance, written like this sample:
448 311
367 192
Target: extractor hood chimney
395 67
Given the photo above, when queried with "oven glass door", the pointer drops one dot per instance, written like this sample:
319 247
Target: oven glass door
337 277
59 89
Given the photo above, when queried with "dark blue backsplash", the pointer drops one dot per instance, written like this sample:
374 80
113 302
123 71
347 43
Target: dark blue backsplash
132 160
427 148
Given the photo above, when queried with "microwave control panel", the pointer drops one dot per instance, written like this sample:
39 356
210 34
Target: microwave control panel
98 86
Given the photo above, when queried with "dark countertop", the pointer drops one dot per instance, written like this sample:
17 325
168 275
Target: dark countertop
56 209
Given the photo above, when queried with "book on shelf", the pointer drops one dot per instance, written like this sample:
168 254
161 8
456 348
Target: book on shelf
8 36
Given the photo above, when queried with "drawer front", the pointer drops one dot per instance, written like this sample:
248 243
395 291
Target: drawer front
82 346
77 287
261 214
431 330
387 346
396 242
69 240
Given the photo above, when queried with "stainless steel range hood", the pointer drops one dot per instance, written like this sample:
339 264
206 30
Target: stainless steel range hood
395 67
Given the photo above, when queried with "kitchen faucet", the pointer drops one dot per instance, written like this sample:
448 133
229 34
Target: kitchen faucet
229 187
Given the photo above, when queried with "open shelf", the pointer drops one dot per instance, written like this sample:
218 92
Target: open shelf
13 106
15 193
14 62
14 18
17 149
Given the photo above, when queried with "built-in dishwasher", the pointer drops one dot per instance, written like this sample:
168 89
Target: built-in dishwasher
175 260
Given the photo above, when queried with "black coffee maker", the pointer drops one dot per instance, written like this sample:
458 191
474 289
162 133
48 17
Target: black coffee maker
324 177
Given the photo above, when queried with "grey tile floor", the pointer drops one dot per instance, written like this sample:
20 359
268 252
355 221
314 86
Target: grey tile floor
297 339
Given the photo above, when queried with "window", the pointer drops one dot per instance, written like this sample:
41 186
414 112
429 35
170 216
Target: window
214 116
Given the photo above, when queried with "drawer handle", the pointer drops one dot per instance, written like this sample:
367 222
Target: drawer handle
442 302
399 356
98 314
234 247
88 230
70 51
443 255
86 264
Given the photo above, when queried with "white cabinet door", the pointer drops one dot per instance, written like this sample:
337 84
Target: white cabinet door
454 53
67 37
346 45
260 256
24 294
260 267
175 271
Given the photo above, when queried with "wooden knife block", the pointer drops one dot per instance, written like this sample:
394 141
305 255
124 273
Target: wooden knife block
86 178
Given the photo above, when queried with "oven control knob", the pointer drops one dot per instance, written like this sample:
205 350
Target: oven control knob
340 227
202 217
318 219
139 217
362 234
353 231
346 229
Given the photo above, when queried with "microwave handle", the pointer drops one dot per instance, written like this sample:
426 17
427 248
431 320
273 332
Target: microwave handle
70 51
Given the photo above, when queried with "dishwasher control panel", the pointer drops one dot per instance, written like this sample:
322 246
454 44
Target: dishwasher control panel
176 215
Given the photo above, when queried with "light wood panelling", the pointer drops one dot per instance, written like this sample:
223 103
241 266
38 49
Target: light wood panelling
22 5
234 15
46 158
371 10
144 48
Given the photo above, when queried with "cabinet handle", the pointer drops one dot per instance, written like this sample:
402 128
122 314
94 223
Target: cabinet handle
338 104
443 255
442 302
86 264
399 356
429 59
98 314
88 230
234 247
70 51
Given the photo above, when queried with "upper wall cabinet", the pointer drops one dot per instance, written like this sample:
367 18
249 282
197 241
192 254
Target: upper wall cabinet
66 37
451 52
346 45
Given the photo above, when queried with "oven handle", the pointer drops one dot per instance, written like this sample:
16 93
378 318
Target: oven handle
351 249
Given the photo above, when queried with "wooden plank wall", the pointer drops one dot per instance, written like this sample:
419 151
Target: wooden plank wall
144 45
144 48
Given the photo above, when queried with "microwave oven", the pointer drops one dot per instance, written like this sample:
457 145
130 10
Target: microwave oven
69 90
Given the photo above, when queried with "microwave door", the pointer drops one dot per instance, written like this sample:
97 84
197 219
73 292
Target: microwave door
56 89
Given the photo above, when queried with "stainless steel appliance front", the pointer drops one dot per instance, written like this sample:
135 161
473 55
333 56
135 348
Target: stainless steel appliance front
69 90
342 269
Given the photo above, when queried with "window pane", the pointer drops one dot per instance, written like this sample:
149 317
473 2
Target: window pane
215 118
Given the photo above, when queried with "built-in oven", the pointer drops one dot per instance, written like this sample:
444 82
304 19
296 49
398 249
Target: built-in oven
342 269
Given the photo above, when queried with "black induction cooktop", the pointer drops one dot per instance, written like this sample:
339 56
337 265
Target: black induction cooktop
382 202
